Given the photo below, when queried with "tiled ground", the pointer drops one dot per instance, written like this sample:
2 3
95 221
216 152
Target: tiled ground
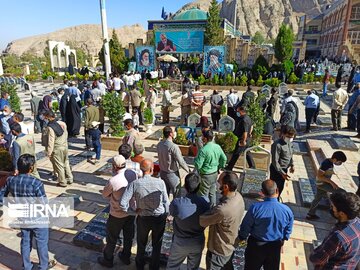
88 185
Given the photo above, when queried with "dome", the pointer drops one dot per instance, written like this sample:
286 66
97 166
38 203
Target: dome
193 14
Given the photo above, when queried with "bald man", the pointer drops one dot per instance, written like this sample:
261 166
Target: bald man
152 208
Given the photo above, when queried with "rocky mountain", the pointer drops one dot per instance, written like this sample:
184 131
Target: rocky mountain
87 36
265 16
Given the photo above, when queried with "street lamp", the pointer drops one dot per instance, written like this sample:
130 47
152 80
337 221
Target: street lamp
105 39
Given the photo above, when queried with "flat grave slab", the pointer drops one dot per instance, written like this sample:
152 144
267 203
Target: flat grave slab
300 148
94 234
307 191
76 159
155 135
105 170
251 184
345 144
40 155
77 198
324 121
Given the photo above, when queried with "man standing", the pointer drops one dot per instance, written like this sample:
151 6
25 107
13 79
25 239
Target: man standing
132 136
166 103
118 84
91 115
247 98
282 158
118 219
355 110
269 224
30 189
135 97
340 98
224 221
198 101
185 104
210 159
326 81
152 204
311 104
22 144
189 239
243 132
216 101
151 101
341 248
170 158
272 104
57 149
34 103
232 100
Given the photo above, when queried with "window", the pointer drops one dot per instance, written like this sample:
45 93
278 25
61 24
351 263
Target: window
313 28
355 13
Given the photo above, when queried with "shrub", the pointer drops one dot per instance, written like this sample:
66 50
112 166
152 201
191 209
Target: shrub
275 82
229 80
164 85
227 142
252 82
260 81
293 79
258 117
148 116
288 67
114 109
311 77
15 102
201 79
332 80
306 78
223 109
31 77
181 137
221 82
243 80
238 81
55 106
215 79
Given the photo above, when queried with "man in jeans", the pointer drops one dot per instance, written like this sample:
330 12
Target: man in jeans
340 98
170 158
311 104
152 204
118 219
189 239
208 162
324 184
91 115
31 189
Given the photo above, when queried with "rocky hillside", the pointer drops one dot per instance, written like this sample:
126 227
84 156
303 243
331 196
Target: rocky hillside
265 16
88 37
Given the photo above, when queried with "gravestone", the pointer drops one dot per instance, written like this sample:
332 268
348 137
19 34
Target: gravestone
252 180
226 124
283 89
308 191
193 120
105 170
77 198
324 121
266 90
94 234
300 148
345 144
76 159
40 155
155 135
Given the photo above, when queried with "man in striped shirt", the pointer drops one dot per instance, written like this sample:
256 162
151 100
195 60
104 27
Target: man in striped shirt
198 100
341 248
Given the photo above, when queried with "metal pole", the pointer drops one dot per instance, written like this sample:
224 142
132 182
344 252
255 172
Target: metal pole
235 14
105 39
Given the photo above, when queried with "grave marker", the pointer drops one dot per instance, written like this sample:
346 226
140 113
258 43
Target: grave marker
226 124
345 144
193 120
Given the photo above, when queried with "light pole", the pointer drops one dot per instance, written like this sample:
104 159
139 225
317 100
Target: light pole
105 39
235 14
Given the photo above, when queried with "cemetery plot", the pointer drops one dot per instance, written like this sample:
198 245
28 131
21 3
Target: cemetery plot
300 148
345 144
324 121
251 184
308 191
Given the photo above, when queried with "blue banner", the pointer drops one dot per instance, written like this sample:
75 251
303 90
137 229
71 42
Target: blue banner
214 59
179 41
145 58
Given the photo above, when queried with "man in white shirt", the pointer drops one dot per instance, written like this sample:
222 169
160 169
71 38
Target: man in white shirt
340 98
232 100
130 81
102 87
117 82
166 102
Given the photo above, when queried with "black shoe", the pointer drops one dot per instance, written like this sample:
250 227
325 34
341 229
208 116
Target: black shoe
334 129
312 217
123 259
105 263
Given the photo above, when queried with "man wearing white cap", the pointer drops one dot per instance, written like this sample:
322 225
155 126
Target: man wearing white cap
91 114
118 219
95 136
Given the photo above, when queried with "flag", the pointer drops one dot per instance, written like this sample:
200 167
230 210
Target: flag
163 14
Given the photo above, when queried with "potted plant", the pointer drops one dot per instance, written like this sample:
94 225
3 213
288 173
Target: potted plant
5 166
182 141
227 142
114 110
148 119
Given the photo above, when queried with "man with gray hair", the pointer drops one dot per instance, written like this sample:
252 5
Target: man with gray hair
269 224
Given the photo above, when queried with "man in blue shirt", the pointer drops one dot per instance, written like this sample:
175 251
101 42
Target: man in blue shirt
189 239
4 100
311 104
269 224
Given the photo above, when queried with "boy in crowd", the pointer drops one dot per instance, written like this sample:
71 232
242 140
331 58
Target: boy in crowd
95 135
324 183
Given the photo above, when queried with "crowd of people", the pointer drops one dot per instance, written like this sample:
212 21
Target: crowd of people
137 197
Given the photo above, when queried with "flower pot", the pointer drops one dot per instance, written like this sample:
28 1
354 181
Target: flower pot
148 128
193 150
185 149
3 177
111 143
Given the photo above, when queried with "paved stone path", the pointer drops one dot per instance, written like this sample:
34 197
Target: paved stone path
89 185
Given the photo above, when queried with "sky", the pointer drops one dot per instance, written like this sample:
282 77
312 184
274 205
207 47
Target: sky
23 18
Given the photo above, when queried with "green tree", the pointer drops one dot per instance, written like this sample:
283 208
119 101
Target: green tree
12 64
284 43
258 38
261 65
213 32
117 55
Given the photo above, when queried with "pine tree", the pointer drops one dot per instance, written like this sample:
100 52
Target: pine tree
284 43
258 38
213 33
